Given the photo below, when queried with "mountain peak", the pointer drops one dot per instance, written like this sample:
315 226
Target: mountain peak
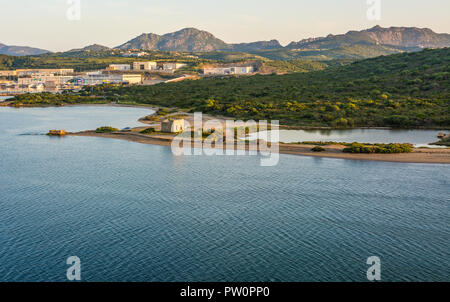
191 39
190 29
93 47
21 50
187 39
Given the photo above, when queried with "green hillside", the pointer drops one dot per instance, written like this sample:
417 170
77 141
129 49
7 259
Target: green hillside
91 60
404 90
352 52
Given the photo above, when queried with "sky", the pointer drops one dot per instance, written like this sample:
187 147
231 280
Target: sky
45 23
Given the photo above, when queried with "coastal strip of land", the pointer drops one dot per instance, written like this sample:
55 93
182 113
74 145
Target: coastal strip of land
418 155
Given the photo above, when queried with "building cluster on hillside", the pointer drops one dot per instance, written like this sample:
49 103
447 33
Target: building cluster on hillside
35 80
56 80
35 72
154 66
100 77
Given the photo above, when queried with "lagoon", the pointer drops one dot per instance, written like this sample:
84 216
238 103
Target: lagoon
135 212
417 137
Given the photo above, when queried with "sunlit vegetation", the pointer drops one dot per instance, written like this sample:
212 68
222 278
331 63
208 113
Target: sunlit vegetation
148 131
318 149
379 148
106 129
405 90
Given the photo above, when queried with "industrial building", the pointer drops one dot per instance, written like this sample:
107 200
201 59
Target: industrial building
238 70
145 66
98 78
119 67
172 66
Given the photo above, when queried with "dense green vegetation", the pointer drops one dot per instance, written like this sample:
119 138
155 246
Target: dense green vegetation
47 99
83 61
379 148
404 90
106 129
353 52
318 149
148 131
292 66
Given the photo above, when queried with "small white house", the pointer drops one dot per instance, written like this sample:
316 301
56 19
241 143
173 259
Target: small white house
172 126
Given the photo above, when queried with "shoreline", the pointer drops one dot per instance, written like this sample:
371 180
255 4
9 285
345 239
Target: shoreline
151 107
424 156
209 116
419 155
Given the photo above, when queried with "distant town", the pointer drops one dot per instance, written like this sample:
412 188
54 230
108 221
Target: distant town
20 81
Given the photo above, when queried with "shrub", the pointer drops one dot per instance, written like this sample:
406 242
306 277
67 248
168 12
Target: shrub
379 148
397 120
148 131
162 112
318 149
152 118
106 129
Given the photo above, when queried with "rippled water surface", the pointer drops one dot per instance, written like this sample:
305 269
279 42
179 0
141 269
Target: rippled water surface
134 212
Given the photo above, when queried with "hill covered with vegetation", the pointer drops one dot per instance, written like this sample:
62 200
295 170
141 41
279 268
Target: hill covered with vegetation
403 90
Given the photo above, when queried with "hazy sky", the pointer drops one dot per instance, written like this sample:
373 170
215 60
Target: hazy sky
43 23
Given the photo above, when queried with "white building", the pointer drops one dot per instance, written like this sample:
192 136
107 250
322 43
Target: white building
172 66
173 126
129 79
43 72
94 78
119 67
40 79
145 66
135 54
228 70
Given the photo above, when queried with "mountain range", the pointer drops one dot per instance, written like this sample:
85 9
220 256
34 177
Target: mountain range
193 40
351 45
403 37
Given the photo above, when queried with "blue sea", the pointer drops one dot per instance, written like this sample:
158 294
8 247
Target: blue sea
136 212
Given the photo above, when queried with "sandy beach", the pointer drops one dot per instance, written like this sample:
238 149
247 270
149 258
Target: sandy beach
419 155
